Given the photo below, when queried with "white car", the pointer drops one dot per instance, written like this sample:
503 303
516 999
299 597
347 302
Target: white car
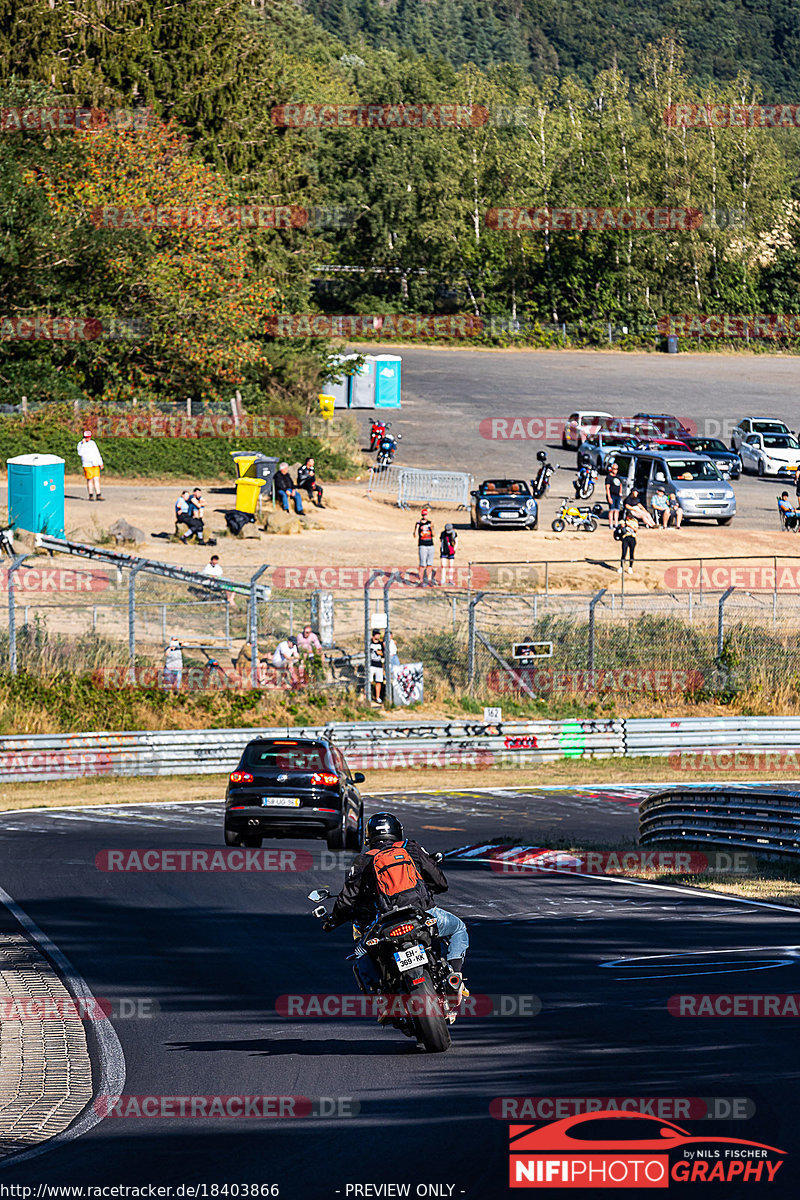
770 453
581 425
750 425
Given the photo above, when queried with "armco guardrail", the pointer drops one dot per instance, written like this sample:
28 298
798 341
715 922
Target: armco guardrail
766 822
392 744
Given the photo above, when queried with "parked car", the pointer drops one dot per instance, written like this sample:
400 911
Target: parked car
503 503
294 787
596 449
633 427
581 425
661 443
770 453
702 492
667 425
749 425
728 461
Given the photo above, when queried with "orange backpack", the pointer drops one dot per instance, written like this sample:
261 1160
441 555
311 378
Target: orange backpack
396 875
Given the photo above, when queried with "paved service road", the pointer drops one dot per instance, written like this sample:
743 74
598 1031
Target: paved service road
447 393
216 949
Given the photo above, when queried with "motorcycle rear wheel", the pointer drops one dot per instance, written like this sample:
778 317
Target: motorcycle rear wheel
431 1028
589 525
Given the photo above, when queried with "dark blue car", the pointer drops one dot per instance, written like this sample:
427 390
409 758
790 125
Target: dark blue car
728 461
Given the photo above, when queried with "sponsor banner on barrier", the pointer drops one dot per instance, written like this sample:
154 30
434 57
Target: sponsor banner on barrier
379 116
547 680
731 1004
723 116
33 119
404 1005
56 579
784 760
393 325
665 1108
305 577
581 219
221 1107
731 325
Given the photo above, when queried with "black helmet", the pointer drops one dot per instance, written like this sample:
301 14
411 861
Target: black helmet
383 827
542 456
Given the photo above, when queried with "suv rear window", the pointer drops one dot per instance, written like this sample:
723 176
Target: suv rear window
286 757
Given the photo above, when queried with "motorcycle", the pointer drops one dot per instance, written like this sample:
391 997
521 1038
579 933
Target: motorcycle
579 518
414 976
584 482
541 484
376 433
386 449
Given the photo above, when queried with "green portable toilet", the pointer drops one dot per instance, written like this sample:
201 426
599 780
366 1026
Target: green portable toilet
36 493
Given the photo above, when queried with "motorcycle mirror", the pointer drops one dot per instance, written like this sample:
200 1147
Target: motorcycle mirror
319 912
399 437
317 896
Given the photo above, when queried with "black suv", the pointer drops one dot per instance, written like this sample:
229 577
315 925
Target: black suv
294 787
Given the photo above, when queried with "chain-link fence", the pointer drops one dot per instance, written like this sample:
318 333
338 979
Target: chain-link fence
113 621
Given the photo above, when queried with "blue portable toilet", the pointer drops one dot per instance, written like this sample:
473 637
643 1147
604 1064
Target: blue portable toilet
387 380
36 493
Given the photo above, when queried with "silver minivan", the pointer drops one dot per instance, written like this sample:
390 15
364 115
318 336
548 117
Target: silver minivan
702 492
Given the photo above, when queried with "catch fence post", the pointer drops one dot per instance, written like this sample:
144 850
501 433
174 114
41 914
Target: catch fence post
134 571
254 624
471 638
721 620
12 614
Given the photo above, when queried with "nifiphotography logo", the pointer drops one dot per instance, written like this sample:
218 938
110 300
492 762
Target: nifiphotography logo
614 1149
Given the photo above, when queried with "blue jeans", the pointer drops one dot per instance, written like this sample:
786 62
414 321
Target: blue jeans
298 501
451 928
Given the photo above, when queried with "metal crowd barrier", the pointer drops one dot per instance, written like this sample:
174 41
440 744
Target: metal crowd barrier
766 822
417 485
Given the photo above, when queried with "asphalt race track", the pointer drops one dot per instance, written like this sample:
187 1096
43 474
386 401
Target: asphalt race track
216 949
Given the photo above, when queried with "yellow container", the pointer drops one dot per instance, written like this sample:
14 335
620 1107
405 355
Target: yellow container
247 493
243 464
326 404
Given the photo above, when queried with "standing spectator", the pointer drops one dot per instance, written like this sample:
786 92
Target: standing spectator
377 656
423 532
613 494
92 463
307 480
628 525
447 548
284 489
173 665
675 511
286 658
660 507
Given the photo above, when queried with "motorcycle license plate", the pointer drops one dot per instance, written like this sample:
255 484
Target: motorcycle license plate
408 960
281 802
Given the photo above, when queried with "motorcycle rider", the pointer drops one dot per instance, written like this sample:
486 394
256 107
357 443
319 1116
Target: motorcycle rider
358 901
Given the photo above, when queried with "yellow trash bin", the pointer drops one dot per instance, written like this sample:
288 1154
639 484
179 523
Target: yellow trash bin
243 463
247 493
326 404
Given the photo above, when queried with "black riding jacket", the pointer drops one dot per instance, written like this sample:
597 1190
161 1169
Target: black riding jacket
358 902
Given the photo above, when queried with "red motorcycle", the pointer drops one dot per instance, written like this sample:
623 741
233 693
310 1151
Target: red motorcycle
377 432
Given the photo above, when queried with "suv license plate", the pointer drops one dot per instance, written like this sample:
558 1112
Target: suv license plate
281 802
409 960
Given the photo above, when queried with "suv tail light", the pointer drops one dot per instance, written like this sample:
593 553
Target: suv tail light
398 929
241 777
325 779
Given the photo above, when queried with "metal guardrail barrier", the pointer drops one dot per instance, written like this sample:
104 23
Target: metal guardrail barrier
391 744
766 822
418 485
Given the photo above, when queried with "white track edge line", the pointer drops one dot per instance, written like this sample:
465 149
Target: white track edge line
112 1059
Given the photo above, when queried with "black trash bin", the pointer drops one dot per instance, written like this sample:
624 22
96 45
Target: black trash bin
256 466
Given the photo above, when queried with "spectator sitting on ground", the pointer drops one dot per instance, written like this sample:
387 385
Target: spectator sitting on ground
286 658
790 515
660 506
194 518
284 489
632 506
307 480
182 508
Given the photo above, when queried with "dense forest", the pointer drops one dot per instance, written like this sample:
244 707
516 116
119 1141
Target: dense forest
395 218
